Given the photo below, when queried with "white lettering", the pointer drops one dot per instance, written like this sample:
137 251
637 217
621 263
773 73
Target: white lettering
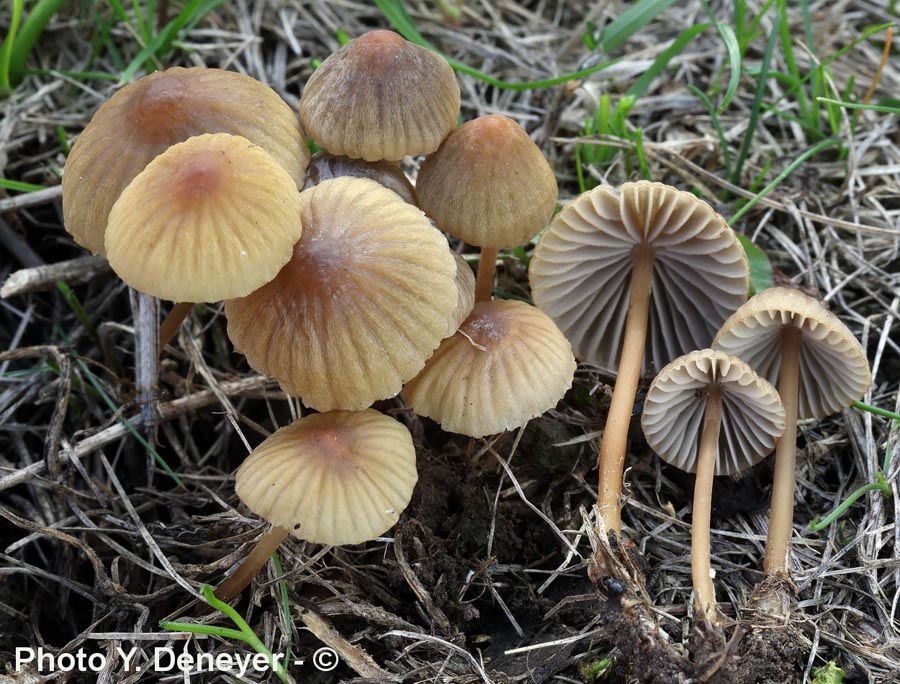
24 655
95 662
126 657
161 652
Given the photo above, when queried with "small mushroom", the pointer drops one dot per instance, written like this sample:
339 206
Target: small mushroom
708 412
647 265
324 166
508 363
212 218
341 477
143 119
360 306
819 366
380 97
489 185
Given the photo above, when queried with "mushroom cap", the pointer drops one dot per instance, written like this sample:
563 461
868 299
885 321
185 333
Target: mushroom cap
211 218
580 273
488 184
360 306
324 166
672 418
507 364
341 477
465 288
380 97
834 371
143 119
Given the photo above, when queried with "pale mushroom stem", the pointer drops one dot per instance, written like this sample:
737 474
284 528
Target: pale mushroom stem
611 460
484 280
240 578
704 593
170 325
781 517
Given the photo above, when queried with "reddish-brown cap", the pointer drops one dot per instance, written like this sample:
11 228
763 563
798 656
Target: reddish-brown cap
488 184
380 97
143 119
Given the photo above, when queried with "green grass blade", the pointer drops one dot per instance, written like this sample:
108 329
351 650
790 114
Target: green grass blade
6 49
639 87
19 186
884 413
714 118
37 19
734 61
884 109
631 21
755 109
760 267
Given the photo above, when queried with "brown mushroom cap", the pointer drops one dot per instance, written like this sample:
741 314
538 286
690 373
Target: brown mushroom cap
211 218
380 97
341 477
360 306
581 271
143 119
508 363
834 371
488 184
672 418
324 166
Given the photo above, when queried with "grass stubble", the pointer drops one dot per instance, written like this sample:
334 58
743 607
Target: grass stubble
108 527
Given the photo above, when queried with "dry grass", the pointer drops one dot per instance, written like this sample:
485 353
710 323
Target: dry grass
97 544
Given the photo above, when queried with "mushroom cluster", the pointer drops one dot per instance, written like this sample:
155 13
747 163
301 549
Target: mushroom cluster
197 185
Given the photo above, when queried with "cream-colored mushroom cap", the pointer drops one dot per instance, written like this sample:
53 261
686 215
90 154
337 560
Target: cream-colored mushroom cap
672 418
508 363
145 118
363 302
834 371
581 271
211 218
380 97
465 288
342 477
488 184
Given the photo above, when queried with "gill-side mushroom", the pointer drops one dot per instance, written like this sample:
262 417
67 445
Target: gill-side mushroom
819 368
211 218
324 166
360 306
341 477
618 270
708 412
380 97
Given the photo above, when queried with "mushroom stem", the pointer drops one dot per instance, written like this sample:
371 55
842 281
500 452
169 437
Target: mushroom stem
611 460
704 593
484 280
781 517
235 583
169 326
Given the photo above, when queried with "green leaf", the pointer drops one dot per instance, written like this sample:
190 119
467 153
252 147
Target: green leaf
630 22
760 268
828 674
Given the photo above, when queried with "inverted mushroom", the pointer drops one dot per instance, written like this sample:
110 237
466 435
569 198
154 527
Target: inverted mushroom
341 477
324 166
819 367
708 412
618 270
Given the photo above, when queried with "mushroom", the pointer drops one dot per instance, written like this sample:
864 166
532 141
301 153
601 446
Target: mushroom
380 97
143 119
508 363
363 302
324 166
465 289
488 185
645 265
736 415
341 477
819 366
214 217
